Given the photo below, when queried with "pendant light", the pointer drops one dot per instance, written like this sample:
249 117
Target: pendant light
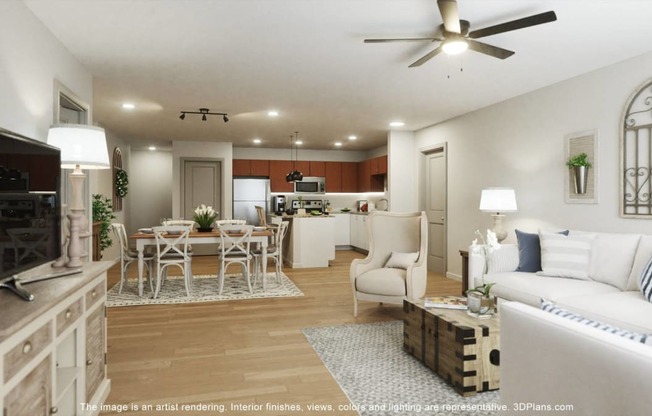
294 175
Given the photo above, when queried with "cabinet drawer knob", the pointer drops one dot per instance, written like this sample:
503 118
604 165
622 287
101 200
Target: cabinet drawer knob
27 347
89 361
68 314
94 293
54 410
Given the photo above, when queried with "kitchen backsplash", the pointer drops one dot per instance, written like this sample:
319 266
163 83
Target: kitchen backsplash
338 202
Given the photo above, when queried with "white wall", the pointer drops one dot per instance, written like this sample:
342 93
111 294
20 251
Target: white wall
520 143
402 171
150 185
30 60
203 151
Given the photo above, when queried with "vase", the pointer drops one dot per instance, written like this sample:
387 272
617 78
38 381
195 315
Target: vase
480 306
205 229
581 179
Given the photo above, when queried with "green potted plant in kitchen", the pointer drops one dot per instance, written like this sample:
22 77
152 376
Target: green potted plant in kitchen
204 217
102 216
481 303
580 166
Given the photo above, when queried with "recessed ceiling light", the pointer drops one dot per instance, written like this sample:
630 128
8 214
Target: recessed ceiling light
152 148
272 113
338 144
397 124
299 142
128 106
353 137
257 141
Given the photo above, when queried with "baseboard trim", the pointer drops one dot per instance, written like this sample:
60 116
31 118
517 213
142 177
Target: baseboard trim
454 276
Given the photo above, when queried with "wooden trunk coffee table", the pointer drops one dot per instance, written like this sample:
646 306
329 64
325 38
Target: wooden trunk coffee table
461 349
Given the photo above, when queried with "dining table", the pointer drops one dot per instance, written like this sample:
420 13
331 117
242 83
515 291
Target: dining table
144 239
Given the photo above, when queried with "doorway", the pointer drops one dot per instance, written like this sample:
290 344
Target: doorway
434 203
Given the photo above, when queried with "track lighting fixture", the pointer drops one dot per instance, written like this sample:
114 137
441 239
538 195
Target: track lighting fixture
204 112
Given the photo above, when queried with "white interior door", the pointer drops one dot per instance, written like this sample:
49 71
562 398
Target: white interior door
435 207
202 184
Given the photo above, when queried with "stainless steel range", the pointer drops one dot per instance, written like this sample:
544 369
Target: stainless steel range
309 205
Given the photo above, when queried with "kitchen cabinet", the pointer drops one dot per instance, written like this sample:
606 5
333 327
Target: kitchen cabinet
54 348
250 167
359 237
302 166
278 170
349 177
317 168
378 165
333 175
364 176
342 229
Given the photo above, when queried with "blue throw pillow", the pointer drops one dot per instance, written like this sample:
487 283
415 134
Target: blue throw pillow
646 281
529 251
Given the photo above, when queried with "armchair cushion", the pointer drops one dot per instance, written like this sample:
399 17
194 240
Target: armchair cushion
402 260
385 281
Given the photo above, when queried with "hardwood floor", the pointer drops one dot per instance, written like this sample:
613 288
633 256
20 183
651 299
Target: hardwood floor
247 352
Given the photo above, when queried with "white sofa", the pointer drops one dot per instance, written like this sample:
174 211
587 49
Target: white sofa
611 295
550 360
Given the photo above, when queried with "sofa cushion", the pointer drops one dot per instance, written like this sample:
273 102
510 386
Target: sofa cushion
646 281
566 256
634 336
612 258
529 251
627 310
530 288
503 259
386 281
643 254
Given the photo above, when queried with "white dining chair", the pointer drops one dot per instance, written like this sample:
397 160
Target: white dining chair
187 223
128 256
172 250
230 222
235 241
274 252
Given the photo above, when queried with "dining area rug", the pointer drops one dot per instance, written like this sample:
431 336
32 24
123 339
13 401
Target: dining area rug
379 378
204 289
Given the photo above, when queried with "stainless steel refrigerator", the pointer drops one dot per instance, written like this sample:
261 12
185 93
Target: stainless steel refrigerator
247 194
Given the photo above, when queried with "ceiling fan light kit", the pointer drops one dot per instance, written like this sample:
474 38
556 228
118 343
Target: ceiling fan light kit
456 38
204 112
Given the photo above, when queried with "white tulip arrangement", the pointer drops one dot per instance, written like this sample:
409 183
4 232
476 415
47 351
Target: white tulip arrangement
205 216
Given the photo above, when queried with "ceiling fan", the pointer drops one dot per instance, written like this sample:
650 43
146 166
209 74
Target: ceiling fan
455 36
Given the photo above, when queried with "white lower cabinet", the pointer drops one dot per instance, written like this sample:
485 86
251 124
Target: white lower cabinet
359 231
53 362
342 229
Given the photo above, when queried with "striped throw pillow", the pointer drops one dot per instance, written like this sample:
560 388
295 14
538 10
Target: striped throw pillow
634 336
566 256
646 280
503 259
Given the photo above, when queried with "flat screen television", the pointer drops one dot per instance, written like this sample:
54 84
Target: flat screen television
30 205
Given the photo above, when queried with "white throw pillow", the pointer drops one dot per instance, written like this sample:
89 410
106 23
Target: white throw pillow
503 259
646 280
566 256
402 260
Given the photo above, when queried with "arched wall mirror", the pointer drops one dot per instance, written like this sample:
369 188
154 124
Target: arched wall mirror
636 155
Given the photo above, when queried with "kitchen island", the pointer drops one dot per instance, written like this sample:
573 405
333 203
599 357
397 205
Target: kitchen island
310 241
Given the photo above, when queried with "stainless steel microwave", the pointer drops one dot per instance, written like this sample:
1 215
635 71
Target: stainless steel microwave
310 185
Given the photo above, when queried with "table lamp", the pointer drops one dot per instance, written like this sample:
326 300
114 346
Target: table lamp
82 147
498 200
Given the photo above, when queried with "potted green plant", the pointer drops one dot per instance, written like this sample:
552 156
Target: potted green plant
204 217
580 166
480 301
103 214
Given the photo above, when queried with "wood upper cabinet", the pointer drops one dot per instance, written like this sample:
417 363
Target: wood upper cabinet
333 174
250 167
364 176
349 177
378 165
278 169
302 166
317 168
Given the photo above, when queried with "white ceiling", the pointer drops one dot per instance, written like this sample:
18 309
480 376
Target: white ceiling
307 60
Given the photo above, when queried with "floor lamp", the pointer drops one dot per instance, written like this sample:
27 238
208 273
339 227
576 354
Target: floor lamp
82 147
498 200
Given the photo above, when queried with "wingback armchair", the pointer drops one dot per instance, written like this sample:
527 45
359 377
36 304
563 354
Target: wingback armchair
392 271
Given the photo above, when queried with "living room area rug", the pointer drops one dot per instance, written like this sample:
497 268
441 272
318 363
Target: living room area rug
379 378
204 289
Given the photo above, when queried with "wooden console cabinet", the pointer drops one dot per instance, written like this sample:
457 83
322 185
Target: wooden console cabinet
53 349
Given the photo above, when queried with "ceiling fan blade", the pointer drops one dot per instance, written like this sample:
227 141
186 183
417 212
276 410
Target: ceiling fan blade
402 40
427 57
534 20
450 16
490 50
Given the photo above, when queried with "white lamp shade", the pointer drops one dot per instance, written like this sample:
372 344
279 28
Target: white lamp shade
498 200
81 145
